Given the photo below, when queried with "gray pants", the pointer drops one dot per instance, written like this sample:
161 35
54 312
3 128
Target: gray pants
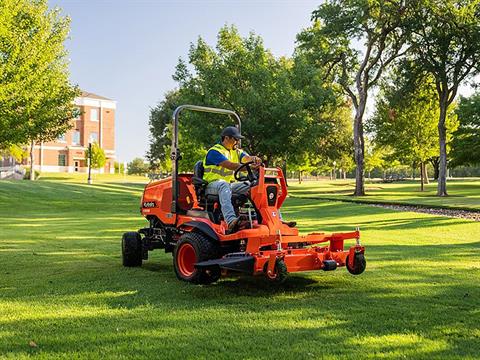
224 190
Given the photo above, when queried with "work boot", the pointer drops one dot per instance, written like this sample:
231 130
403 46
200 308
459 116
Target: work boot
237 224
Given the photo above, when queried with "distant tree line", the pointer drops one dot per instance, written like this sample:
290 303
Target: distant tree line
306 112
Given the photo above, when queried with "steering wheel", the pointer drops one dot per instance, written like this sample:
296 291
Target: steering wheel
250 175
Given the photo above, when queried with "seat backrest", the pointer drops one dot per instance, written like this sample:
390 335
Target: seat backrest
198 169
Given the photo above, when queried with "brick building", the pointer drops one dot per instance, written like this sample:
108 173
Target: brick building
96 123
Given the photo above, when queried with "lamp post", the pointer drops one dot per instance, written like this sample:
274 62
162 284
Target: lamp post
89 163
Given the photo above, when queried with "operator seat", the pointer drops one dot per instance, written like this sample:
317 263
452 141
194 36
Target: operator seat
208 201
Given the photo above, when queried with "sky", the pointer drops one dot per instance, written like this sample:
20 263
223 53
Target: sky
127 50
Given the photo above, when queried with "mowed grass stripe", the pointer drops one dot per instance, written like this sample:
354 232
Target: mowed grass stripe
463 194
62 285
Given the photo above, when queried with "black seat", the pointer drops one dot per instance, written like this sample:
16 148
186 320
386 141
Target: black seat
198 182
200 186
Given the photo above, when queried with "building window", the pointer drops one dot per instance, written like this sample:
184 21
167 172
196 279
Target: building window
93 137
76 137
61 138
78 114
93 114
61 160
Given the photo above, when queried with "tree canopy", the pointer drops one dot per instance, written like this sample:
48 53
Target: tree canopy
446 43
340 27
466 140
98 158
280 116
406 118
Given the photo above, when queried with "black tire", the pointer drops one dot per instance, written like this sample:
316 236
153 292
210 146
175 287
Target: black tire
280 271
192 248
359 264
132 249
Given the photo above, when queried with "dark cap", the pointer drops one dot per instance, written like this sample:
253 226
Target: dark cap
232 131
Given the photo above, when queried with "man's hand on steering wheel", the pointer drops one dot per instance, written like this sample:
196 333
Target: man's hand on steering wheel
257 162
245 167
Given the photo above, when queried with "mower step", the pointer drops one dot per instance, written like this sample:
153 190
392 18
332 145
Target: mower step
234 262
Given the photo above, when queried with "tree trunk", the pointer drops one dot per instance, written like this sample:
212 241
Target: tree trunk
299 177
442 137
369 175
359 146
435 163
425 173
421 177
32 171
344 175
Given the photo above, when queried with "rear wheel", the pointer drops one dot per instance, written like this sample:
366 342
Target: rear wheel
279 272
190 249
132 249
359 264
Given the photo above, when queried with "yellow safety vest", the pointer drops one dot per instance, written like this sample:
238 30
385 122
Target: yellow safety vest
214 172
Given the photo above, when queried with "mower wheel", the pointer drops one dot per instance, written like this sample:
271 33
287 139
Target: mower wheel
359 264
132 249
190 249
280 272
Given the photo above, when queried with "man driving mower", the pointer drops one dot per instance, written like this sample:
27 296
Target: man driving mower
221 161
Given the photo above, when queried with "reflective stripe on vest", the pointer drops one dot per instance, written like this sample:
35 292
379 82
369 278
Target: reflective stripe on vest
214 172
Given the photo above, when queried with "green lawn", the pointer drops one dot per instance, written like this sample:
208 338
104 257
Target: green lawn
463 194
62 286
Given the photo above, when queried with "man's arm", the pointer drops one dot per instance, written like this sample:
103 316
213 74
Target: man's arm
229 165
234 166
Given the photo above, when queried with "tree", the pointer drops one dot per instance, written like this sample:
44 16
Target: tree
466 140
241 75
119 167
36 98
98 158
446 44
334 148
17 152
137 167
374 157
340 27
406 117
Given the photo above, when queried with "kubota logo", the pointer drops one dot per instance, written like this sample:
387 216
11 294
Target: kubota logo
149 204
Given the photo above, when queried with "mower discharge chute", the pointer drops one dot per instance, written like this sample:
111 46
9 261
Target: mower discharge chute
189 223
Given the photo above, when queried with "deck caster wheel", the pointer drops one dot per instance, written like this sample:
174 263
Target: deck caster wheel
279 273
132 249
359 264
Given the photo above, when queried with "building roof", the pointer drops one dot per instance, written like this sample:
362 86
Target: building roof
93 96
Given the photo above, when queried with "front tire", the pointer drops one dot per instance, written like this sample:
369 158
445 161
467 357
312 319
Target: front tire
190 249
132 249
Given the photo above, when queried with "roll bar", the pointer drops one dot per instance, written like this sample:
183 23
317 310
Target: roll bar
175 152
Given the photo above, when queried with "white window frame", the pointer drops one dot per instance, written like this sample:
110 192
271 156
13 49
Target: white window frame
79 137
90 140
64 159
79 116
62 138
97 111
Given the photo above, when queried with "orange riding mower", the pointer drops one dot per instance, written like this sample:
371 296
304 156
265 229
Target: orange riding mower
186 221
